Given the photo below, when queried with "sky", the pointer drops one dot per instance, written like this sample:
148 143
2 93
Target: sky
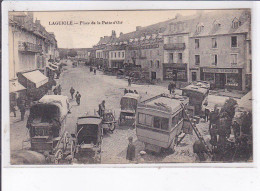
87 35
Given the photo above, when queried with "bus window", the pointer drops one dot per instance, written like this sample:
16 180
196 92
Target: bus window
141 118
174 120
165 124
157 122
149 120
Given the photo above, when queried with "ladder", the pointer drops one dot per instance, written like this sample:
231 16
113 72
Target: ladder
196 130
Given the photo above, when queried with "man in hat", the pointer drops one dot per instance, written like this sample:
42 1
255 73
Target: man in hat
101 109
130 153
72 91
78 96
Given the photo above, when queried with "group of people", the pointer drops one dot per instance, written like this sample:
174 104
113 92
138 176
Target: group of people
171 87
77 96
223 147
130 91
57 90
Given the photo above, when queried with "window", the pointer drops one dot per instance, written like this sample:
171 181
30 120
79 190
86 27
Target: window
170 57
197 59
233 59
115 54
151 63
233 41
179 57
119 54
236 23
161 123
170 39
197 43
145 119
180 39
214 43
215 59
171 27
200 27
141 118
250 50
158 63
111 54
123 54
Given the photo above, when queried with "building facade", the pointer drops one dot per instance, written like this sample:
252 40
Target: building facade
219 49
30 48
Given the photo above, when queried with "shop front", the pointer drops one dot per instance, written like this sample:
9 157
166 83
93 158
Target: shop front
223 78
175 72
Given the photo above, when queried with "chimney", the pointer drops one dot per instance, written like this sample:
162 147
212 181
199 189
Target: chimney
113 33
138 28
37 22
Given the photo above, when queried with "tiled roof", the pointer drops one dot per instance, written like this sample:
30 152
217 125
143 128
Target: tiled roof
224 18
149 30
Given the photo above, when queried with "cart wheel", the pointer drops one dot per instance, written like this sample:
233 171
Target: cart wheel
111 127
58 156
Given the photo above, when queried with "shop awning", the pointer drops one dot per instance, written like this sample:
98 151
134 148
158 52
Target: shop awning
15 86
36 77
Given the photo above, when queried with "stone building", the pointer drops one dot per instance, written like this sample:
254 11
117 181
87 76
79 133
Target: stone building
30 48
219 48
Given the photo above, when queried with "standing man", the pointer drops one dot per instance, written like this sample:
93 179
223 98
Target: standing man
22 109
129 81
207 114
78 96
236 129
130 153
55 91
170 87
95 71
72 91
102 108
173 87
59 89
12 108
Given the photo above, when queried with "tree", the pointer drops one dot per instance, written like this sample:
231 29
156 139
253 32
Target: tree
72 53
63 54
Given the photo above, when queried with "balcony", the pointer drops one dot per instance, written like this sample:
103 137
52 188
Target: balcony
29 47
174 46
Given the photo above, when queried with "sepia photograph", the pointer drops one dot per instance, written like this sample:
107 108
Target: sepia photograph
130 87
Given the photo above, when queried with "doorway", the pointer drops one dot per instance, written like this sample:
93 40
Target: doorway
220 80
194 76
153 75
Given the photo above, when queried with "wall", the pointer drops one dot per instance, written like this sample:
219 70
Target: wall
223 50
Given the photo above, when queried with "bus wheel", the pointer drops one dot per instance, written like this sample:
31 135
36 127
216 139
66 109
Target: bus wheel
58 156
111 127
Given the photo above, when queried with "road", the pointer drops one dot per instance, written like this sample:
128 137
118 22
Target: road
94 89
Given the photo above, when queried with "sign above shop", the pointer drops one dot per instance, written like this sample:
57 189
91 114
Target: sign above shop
220 70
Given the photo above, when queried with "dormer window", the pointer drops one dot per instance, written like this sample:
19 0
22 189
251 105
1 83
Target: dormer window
235 23
171 27
200 27
216 24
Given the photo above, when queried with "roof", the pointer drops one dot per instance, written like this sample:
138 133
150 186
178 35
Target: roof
89 120
36 77
143 31
224 18
172 105
59 100
196 89
132 96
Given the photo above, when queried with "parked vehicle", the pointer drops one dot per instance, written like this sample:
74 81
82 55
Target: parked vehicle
160 120
128 108
197 97
46 124
88 139
109 121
